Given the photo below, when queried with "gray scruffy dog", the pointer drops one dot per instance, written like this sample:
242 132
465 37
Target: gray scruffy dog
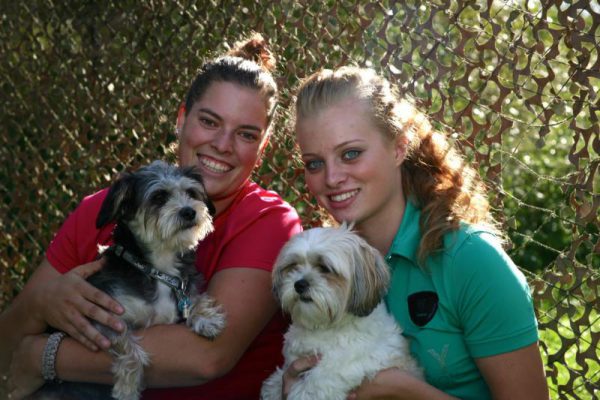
161 213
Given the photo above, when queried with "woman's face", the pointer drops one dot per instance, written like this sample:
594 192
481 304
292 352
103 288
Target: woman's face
351 168
222 135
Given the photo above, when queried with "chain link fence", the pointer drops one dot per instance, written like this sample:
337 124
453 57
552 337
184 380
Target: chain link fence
90 89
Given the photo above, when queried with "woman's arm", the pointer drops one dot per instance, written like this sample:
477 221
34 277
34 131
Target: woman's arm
178 356
61 301
515 375
396 384
391 383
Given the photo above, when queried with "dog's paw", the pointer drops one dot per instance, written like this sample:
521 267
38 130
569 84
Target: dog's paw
207 318
128 367
123 391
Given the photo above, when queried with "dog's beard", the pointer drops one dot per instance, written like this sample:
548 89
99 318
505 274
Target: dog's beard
322 305
168 230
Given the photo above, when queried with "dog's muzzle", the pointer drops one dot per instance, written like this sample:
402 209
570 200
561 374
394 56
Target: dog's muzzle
187 214
301 287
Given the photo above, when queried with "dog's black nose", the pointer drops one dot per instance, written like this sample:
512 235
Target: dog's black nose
301 286
187 213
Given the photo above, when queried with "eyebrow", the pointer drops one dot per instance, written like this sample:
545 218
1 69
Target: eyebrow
343 144
219 118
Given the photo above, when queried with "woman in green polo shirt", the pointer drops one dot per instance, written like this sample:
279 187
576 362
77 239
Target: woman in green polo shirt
372 158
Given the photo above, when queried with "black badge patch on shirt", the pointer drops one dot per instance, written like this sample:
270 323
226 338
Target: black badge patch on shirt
422 307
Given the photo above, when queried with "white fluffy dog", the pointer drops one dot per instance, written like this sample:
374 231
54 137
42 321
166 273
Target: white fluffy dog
332 282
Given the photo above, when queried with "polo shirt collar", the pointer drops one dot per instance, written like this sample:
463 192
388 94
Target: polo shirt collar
406 241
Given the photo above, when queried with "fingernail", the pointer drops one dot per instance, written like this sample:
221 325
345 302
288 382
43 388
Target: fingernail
105 343
118 326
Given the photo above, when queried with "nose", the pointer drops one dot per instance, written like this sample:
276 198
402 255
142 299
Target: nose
301 286
187 213
334 175
223 140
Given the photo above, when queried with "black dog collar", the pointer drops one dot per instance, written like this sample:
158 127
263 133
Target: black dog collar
178 285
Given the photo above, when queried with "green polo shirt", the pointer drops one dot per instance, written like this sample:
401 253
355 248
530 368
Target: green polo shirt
483 308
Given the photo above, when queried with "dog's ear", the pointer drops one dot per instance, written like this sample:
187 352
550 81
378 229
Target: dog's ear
370 281
211 207
276 280
115 205
192 172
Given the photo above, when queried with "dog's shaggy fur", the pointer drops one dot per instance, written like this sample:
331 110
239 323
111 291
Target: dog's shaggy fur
161 213
332 282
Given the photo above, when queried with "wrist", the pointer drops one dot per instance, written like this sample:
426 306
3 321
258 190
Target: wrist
38 323
49 354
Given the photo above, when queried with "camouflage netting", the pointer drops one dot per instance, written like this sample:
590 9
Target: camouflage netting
89 89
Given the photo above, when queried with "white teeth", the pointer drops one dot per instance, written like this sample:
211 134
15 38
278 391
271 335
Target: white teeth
214 166
343 196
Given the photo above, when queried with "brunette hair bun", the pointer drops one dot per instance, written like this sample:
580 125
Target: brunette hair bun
254 48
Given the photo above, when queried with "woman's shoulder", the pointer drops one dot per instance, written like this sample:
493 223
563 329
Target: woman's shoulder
255 201
474 255
472 239
476 251
92 202
256 193
258 211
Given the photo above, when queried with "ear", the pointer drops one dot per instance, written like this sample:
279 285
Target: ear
120 193
400 148
180 119
370 281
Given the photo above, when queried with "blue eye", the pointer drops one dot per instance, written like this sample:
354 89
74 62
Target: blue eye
313 165
351 155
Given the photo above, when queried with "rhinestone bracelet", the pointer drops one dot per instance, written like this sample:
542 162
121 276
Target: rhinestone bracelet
49 356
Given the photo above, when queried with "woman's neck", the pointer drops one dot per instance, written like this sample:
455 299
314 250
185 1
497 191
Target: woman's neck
222 203
380 232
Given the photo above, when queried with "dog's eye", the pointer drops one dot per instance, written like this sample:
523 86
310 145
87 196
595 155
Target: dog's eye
159 197
323 268
289 266
193 194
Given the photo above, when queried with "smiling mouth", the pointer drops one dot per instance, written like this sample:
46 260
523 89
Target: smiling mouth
343 196
214 166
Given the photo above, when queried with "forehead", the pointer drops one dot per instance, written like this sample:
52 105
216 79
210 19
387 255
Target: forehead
234 104
347 120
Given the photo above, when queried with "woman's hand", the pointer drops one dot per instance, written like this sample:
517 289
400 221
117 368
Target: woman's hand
393 383
67 302
382 385
294 372
24 375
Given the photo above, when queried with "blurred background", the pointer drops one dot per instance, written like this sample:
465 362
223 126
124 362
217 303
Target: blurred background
89 89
